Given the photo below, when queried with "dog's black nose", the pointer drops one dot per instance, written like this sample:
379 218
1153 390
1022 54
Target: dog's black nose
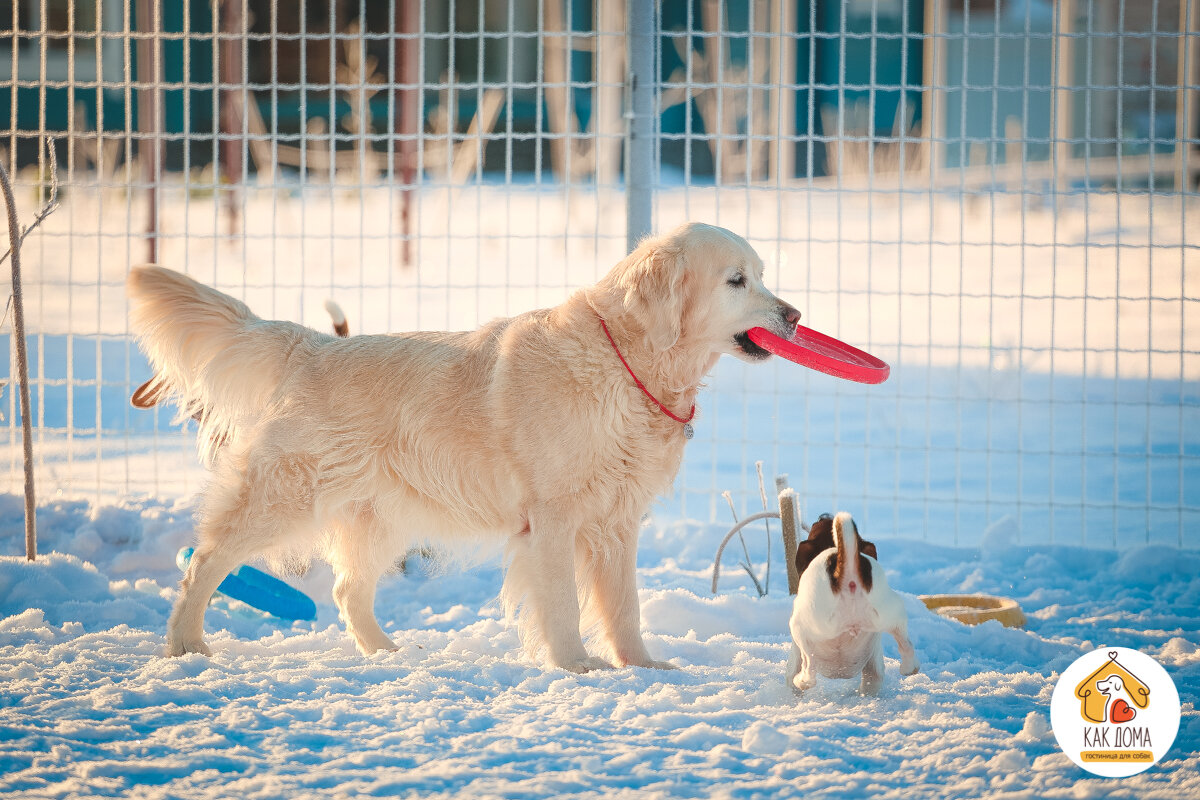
790 315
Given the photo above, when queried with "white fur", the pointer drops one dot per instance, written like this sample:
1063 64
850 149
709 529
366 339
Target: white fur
838 635
527 432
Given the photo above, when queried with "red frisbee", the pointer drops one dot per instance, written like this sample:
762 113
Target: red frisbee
824 354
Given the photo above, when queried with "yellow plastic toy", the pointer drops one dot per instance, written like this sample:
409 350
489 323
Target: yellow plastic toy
974 609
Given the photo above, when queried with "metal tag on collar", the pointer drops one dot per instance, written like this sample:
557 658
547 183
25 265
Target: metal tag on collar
688 430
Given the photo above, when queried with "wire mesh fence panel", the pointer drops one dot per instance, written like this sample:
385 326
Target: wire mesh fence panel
997 198
427 166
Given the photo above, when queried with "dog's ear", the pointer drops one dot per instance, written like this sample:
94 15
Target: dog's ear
867 548
805 553
652 278
820 539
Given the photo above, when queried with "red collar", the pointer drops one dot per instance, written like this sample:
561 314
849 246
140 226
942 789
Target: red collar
687 428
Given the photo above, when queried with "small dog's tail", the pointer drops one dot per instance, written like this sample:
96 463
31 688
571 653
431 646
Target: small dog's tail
209 351
338 317
852 572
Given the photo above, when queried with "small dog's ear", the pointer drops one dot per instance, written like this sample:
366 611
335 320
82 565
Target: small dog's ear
867 548
820 539
652 277
805 553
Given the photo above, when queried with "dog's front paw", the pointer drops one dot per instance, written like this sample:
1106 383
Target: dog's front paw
911 668
643 659
179 647
664 665
650 663
582 665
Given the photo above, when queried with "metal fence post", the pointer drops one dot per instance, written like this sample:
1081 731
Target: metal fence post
641 84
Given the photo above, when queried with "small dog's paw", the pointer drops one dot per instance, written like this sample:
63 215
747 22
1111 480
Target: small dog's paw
910 669
183 647
582 665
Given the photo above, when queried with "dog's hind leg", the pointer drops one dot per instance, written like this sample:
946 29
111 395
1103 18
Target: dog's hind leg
207 568
359 558
908 655
894 620
354 595
793 668
872 674
246 511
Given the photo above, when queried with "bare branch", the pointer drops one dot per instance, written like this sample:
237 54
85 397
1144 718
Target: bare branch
18 307
49 208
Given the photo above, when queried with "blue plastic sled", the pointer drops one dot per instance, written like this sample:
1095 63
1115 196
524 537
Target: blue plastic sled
256 588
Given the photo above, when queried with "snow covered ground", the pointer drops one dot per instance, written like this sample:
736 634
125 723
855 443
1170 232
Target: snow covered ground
89 707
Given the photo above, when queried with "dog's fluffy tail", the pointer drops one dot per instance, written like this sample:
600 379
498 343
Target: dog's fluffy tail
852 572
210 352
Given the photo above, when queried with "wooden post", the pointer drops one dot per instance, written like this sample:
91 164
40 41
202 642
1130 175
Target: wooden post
560 109
1062 62
232 41
408 114
640 141
783 93
933 112
789 518
610 72
149 60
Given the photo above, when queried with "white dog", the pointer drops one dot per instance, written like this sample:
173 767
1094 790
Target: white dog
551 432
842 605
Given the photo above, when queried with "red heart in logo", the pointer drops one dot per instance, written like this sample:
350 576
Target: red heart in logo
1121 712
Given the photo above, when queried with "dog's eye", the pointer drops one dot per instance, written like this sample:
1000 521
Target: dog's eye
738 280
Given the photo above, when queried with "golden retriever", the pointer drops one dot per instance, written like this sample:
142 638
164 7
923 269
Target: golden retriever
531 430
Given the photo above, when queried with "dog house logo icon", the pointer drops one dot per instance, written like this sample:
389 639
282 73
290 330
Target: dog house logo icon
1106 694
1115 712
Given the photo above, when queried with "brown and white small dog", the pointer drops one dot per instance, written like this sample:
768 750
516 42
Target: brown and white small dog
843 603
